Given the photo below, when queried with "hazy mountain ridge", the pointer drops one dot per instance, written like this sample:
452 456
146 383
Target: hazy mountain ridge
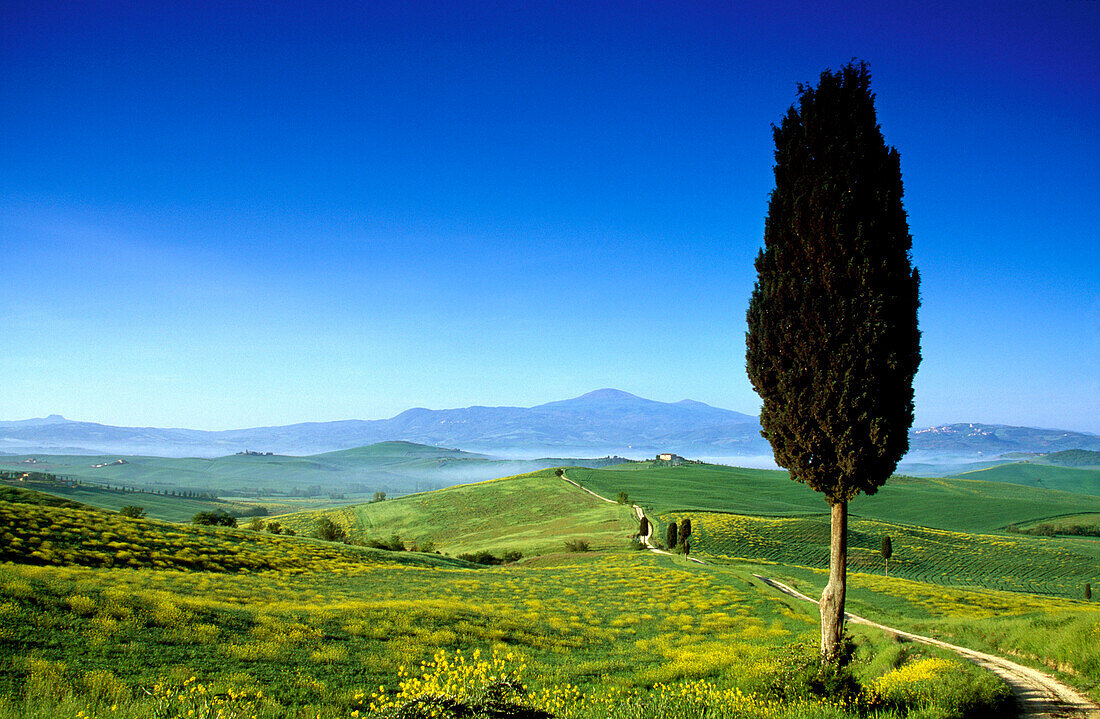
601 422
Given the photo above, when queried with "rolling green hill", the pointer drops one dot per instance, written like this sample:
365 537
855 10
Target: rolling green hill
532 513
1078 480
1041 565
392 467
943 503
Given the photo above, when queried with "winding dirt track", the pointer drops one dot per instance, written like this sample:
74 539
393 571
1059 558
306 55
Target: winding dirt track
1039 695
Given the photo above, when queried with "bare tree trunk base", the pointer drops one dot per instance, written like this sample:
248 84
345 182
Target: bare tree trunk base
832 598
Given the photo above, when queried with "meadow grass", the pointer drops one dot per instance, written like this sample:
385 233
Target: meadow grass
1045 565
1058 524
322 630
1080 480
533 513
1051 633
956 504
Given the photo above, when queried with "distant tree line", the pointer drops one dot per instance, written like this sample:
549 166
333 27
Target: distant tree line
1054 530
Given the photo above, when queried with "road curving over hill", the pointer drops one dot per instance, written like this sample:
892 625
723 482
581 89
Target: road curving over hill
1040 696
639 514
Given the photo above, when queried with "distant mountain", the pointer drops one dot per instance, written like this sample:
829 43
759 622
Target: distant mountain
997 439
600 422
606 421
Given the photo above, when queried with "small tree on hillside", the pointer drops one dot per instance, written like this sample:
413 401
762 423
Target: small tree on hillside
832 343
887 551
623 498
643 527
685 528
671 535
329 530
132 511
1088 591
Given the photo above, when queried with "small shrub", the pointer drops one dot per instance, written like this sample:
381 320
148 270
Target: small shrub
576 545
393 544
133 511
511 556
256 525
329 530
623 498
275 528
214 519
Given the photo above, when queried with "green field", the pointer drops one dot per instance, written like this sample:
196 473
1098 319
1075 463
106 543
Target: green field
1053 634
232 623
533 513
1021 563
963 505
1079 480
392 467
100 611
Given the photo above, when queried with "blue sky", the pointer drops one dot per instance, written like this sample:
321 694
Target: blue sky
236 214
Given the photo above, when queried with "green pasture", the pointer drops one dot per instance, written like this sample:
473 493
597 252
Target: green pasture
533 513
1060 524
1054 634
275 626
1042 565
1079 480
158 506
944 503
391 467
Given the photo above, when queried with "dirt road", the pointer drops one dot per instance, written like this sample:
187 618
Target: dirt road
638 514
1040 695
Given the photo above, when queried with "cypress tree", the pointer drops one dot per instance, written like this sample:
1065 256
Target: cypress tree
887 551
685 528
832 342
671 535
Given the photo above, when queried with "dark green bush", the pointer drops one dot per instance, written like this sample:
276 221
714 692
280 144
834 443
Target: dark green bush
220 518
577 545
329 530
132 511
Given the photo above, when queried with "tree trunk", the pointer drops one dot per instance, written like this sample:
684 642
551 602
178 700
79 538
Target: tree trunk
832 599
888 567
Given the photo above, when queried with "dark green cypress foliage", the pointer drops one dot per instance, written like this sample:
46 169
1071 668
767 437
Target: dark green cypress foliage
685 528
833 342
671 535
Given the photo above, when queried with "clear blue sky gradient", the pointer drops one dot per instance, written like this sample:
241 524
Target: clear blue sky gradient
234 214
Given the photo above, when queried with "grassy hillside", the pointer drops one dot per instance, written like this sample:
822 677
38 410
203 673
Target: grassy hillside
64 536
533 513
587 636
1045 476
18 495
1020 563
1054 634
942 503
392 467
